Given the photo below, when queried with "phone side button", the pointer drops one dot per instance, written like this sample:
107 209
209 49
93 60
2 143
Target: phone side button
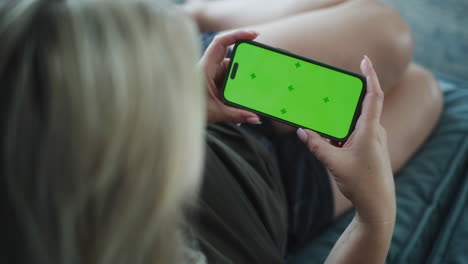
234 70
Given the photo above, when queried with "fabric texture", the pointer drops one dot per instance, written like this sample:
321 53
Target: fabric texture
306 182
440 33
243 211
306 194
432 195
263 195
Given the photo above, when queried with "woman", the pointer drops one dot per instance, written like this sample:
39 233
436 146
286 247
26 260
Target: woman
102 140
339 32
336 32
98 99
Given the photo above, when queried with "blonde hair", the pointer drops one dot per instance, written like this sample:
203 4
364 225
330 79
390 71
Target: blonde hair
102 128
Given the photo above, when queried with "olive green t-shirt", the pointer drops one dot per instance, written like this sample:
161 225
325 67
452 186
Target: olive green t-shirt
243 209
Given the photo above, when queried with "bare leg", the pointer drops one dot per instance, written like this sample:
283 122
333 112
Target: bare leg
230 14
340 35
337 32
411 110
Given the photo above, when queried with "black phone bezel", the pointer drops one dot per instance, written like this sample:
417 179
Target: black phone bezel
357 111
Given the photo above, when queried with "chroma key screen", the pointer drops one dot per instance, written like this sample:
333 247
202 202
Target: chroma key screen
293 89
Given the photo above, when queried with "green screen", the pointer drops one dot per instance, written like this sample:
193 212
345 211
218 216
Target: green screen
294 90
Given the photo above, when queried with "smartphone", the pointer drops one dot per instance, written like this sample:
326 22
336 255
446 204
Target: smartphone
294 89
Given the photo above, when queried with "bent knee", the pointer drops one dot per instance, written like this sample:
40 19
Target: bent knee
395 41
434 100
392 40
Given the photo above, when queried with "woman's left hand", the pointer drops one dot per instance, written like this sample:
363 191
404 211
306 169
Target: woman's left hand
215 67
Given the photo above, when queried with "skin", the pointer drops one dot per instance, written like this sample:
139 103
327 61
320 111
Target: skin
232 14
214 66
363 174
358 27
335 32
361 167
407 127
340 33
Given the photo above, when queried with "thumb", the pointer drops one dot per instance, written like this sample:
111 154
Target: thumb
322 150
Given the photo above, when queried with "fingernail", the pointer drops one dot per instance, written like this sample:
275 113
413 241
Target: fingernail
368 60
253 120
253 31
366 65
238 124
302 135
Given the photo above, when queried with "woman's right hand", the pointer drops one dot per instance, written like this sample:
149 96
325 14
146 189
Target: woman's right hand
361 167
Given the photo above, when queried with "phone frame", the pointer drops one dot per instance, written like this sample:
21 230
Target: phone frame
357 112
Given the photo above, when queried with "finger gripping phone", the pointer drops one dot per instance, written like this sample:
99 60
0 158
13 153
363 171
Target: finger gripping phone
293 89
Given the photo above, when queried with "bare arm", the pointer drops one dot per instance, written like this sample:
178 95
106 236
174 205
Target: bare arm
362 243
363 173
361 167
